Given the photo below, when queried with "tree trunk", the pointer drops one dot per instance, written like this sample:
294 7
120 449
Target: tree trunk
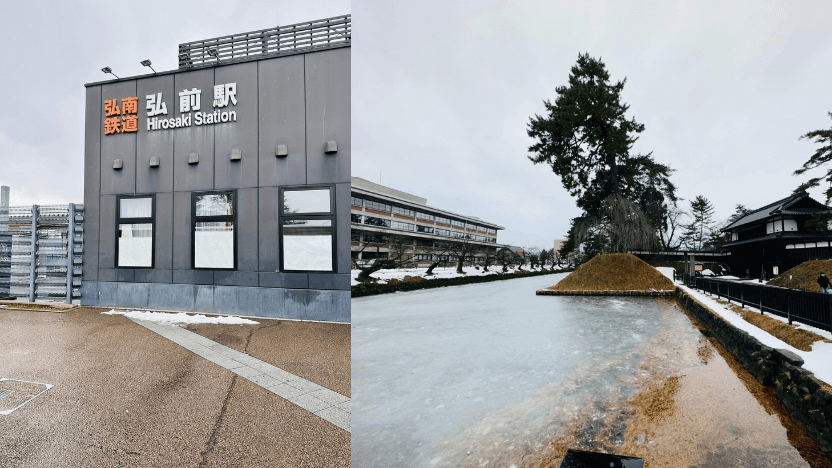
459 265
431 267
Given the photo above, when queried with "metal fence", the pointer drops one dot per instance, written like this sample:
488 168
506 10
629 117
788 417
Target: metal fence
326 33
807 307
46 265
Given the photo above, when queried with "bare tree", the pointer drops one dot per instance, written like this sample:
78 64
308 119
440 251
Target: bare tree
439 255
506 258
672 221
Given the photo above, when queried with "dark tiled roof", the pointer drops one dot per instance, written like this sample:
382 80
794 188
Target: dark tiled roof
778 208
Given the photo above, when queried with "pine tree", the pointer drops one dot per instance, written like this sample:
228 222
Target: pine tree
699 230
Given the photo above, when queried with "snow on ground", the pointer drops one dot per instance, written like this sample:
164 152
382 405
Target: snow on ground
180 317
667 271
439 272
817 361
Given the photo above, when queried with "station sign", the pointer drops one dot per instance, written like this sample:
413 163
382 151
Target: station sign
124 118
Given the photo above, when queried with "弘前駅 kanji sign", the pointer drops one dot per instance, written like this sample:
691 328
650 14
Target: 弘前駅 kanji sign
124 119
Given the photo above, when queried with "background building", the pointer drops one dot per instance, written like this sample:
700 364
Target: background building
223 186
388 223
779 236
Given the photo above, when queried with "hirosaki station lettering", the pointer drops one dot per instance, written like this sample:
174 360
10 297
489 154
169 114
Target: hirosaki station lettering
190 102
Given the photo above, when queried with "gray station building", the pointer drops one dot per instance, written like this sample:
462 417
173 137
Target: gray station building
224 186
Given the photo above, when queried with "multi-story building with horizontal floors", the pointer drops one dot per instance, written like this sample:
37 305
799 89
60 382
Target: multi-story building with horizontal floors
390 224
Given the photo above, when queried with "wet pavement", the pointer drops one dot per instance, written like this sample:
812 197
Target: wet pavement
125 396
492 375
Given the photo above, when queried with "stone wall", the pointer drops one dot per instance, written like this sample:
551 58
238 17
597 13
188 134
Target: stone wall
803 396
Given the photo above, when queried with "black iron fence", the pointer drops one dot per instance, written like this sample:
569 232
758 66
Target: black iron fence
806 307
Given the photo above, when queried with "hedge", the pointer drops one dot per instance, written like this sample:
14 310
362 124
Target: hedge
371 289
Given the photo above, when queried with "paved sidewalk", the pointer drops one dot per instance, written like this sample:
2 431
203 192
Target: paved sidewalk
321 401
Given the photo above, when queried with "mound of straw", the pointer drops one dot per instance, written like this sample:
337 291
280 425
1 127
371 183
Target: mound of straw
804 276
615 272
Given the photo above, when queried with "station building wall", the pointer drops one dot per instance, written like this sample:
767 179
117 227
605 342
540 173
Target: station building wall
301 101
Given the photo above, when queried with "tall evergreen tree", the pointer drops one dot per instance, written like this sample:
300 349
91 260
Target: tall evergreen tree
698 231
822 156
587 139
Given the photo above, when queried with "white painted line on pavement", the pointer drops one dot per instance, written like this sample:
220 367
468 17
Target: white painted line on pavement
328 405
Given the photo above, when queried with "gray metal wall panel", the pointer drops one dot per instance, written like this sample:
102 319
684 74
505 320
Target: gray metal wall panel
193 276
269 224
89 293
247 235
284 280
107 233
92 170
329 281
164 232
154 276
171 296
282 120
235 278
117 274
117 146
157 143
342 215
132 294
107 293
182 230
328 115
194 139
241 134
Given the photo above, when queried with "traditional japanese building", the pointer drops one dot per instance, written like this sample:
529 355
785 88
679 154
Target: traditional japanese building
779 236
223 186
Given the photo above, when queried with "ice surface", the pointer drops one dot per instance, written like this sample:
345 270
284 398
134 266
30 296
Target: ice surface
180 317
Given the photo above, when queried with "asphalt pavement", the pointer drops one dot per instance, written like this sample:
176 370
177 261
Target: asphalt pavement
123 395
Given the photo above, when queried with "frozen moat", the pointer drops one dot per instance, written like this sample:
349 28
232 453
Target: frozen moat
492 375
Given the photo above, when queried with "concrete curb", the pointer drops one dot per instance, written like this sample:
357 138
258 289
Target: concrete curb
797 389
554 292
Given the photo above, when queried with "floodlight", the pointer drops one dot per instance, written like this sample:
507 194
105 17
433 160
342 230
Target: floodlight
109 71
215 54
146 63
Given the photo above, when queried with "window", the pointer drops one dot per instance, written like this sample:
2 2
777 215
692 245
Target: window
424 229
134 228
355 218
403 226
373 221
442 220
355 235
372 205
375 238
458 224
403 212
307 223
424 243
214 240
355 201
425 216
423 257
443 232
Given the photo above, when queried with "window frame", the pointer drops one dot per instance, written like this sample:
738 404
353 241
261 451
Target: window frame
151 221
329 216
213 219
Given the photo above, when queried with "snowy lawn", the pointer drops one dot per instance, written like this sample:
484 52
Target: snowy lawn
180 317
817 361
439 272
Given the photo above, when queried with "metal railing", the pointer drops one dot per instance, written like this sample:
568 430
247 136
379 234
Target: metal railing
46 265
325 33
807 307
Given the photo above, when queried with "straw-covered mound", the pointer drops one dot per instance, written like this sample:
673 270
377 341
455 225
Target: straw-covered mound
615 272
804 276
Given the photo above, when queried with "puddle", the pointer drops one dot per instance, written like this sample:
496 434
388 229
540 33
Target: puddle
16 393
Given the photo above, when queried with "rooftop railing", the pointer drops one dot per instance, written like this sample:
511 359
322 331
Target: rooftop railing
325 33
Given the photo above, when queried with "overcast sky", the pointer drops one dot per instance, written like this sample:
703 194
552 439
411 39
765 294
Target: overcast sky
50 49
442 93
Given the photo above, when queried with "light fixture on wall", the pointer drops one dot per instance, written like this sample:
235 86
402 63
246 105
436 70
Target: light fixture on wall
109 70
118 164
331 147
193 158
154 161
147 64
236 154
215 54
281 151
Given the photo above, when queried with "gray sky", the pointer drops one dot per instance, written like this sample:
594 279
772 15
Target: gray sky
50 49
442 93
